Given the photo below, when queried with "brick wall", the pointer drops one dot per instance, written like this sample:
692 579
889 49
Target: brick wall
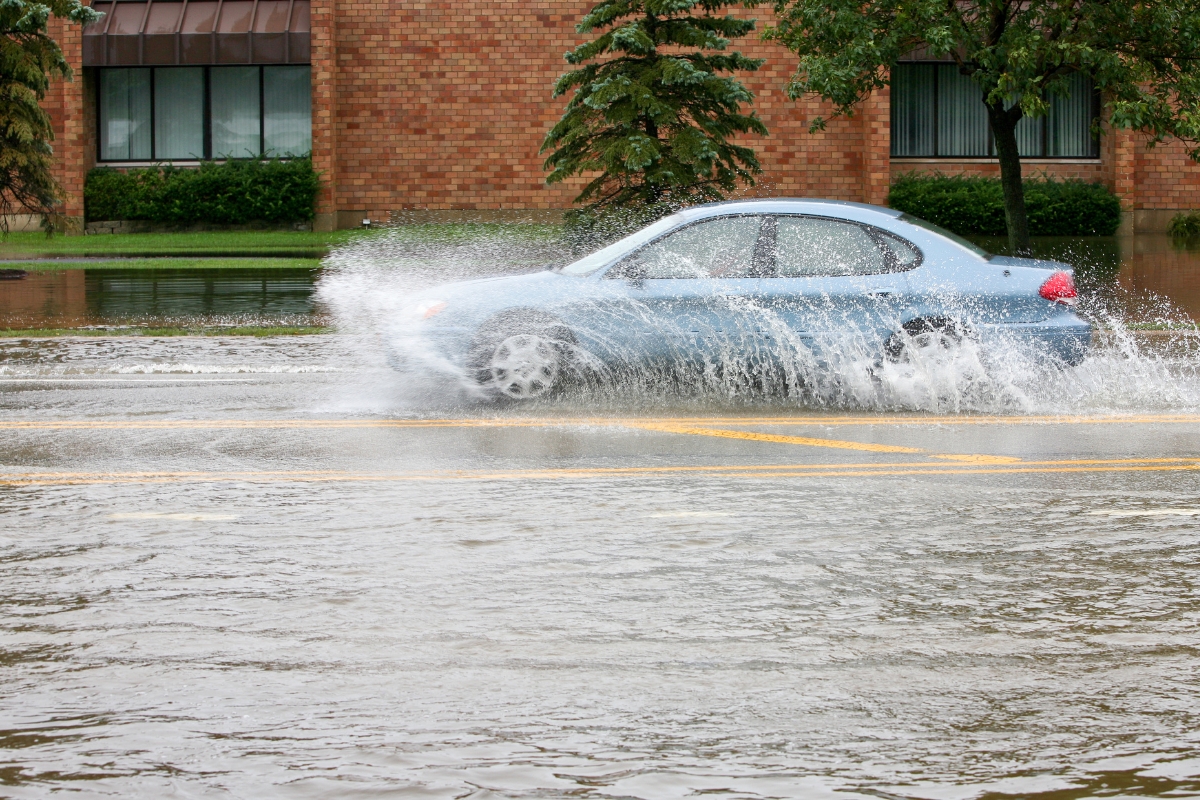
444 106
70 107
1166 176
430 105
1082 169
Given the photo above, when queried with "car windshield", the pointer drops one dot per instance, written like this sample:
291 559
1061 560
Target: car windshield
940 231
589 264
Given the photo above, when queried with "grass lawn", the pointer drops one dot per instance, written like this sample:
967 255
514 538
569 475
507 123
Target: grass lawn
20 245
65 263
274 244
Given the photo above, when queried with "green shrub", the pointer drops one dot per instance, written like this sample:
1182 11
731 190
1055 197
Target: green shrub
229 193
1185 226
975 205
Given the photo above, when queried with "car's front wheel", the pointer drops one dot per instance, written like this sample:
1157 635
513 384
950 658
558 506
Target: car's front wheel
521 361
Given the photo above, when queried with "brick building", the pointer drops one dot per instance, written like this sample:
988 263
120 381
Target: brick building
436 110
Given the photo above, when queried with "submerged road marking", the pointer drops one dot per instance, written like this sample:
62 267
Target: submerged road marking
672 425
736 471
977 458
836 444
559 422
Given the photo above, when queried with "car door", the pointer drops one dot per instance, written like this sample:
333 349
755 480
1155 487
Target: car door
836 278
694 291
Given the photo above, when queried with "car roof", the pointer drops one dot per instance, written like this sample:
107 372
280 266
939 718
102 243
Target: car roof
842 209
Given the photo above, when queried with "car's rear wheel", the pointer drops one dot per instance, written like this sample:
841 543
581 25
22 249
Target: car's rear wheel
521 360
924 340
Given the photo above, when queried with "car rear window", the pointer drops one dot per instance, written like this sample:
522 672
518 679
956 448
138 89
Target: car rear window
940 231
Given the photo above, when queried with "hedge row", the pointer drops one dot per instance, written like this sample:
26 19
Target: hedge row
975 205
232 193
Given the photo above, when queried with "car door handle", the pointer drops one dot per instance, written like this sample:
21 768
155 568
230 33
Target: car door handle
879 294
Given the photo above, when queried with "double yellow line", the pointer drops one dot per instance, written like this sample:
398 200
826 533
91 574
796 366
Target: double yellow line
946 464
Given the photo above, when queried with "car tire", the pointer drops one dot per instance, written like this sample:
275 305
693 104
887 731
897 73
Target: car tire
919 336
519 359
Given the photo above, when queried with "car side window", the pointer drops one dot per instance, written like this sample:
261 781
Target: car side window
818 247
904 256
725 247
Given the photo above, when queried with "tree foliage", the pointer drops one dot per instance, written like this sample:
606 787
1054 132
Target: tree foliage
1143 56
656 125
29 60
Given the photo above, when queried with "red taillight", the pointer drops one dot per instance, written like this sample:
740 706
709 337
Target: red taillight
1060 288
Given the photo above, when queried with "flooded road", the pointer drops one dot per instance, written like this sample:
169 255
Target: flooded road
244 568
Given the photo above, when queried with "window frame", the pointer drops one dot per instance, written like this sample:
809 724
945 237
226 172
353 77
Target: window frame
1095 109
878 236
208 154
766 253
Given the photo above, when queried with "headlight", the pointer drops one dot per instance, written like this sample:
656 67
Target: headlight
429 308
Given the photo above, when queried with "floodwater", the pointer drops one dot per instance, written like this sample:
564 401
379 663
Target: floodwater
95 297
261 568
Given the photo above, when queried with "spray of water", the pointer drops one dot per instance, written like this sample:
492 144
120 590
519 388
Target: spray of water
1145 355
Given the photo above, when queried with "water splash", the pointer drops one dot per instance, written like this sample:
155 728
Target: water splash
1145 355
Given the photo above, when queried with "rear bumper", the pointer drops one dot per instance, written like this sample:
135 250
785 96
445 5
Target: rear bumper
1063 337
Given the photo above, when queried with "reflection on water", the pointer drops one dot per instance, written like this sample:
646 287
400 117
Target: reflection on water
115 296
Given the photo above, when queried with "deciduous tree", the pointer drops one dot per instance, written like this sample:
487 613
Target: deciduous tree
1142 55
655 110
29 60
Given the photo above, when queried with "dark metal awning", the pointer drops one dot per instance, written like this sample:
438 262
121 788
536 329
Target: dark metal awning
198 32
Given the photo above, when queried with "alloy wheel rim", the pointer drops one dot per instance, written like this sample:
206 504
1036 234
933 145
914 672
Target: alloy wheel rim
524 366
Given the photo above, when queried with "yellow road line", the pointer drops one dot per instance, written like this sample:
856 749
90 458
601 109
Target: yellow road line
734 471
539 422
981 471
836 444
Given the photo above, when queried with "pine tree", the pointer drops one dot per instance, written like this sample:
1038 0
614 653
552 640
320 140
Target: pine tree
656 126
29 59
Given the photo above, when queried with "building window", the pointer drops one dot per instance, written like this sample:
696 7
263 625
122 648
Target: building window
191 113
938 112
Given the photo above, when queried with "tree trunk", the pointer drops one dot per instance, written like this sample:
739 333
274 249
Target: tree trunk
1004 133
